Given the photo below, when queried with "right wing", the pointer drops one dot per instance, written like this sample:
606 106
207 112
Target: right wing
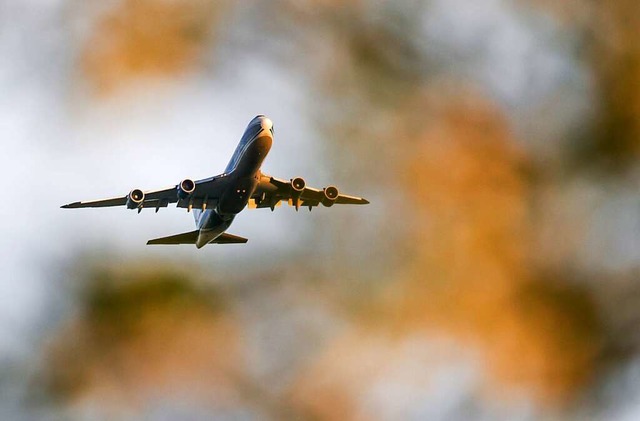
271 191
205 193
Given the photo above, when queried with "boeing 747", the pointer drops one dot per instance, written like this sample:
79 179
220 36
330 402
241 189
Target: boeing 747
217 200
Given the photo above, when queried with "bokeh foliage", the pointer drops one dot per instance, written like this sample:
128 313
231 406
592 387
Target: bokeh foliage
464 239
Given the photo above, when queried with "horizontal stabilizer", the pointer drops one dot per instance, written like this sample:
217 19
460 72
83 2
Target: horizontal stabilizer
184 238
192 237
225 238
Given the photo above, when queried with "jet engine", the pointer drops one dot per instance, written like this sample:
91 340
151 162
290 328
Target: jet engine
298 184
297 187
135 199
185 188
331 193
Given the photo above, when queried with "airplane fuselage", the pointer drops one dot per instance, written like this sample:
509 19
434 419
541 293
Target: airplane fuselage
242 176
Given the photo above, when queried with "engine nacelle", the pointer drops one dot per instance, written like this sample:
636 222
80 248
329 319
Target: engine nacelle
135 199
297 185
331 194
186 188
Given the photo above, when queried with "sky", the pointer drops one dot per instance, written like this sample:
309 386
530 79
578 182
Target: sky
63 141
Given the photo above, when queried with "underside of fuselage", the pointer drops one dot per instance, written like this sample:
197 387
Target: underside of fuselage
242 177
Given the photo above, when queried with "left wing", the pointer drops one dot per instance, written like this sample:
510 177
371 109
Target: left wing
271 191
200 194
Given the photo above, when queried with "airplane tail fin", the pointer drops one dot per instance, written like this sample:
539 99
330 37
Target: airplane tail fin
192 237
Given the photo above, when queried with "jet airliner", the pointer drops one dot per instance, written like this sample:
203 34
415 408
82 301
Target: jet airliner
217 200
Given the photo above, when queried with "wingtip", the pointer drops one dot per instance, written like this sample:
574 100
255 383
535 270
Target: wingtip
70 205
365 202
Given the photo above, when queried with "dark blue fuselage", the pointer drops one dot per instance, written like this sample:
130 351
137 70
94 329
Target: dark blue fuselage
241 176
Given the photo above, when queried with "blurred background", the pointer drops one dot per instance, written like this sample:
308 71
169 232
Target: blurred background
493 277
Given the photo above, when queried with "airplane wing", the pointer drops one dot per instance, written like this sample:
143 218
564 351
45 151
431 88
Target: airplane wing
199 194
272 191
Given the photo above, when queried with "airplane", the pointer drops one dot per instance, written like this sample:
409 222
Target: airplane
216 201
